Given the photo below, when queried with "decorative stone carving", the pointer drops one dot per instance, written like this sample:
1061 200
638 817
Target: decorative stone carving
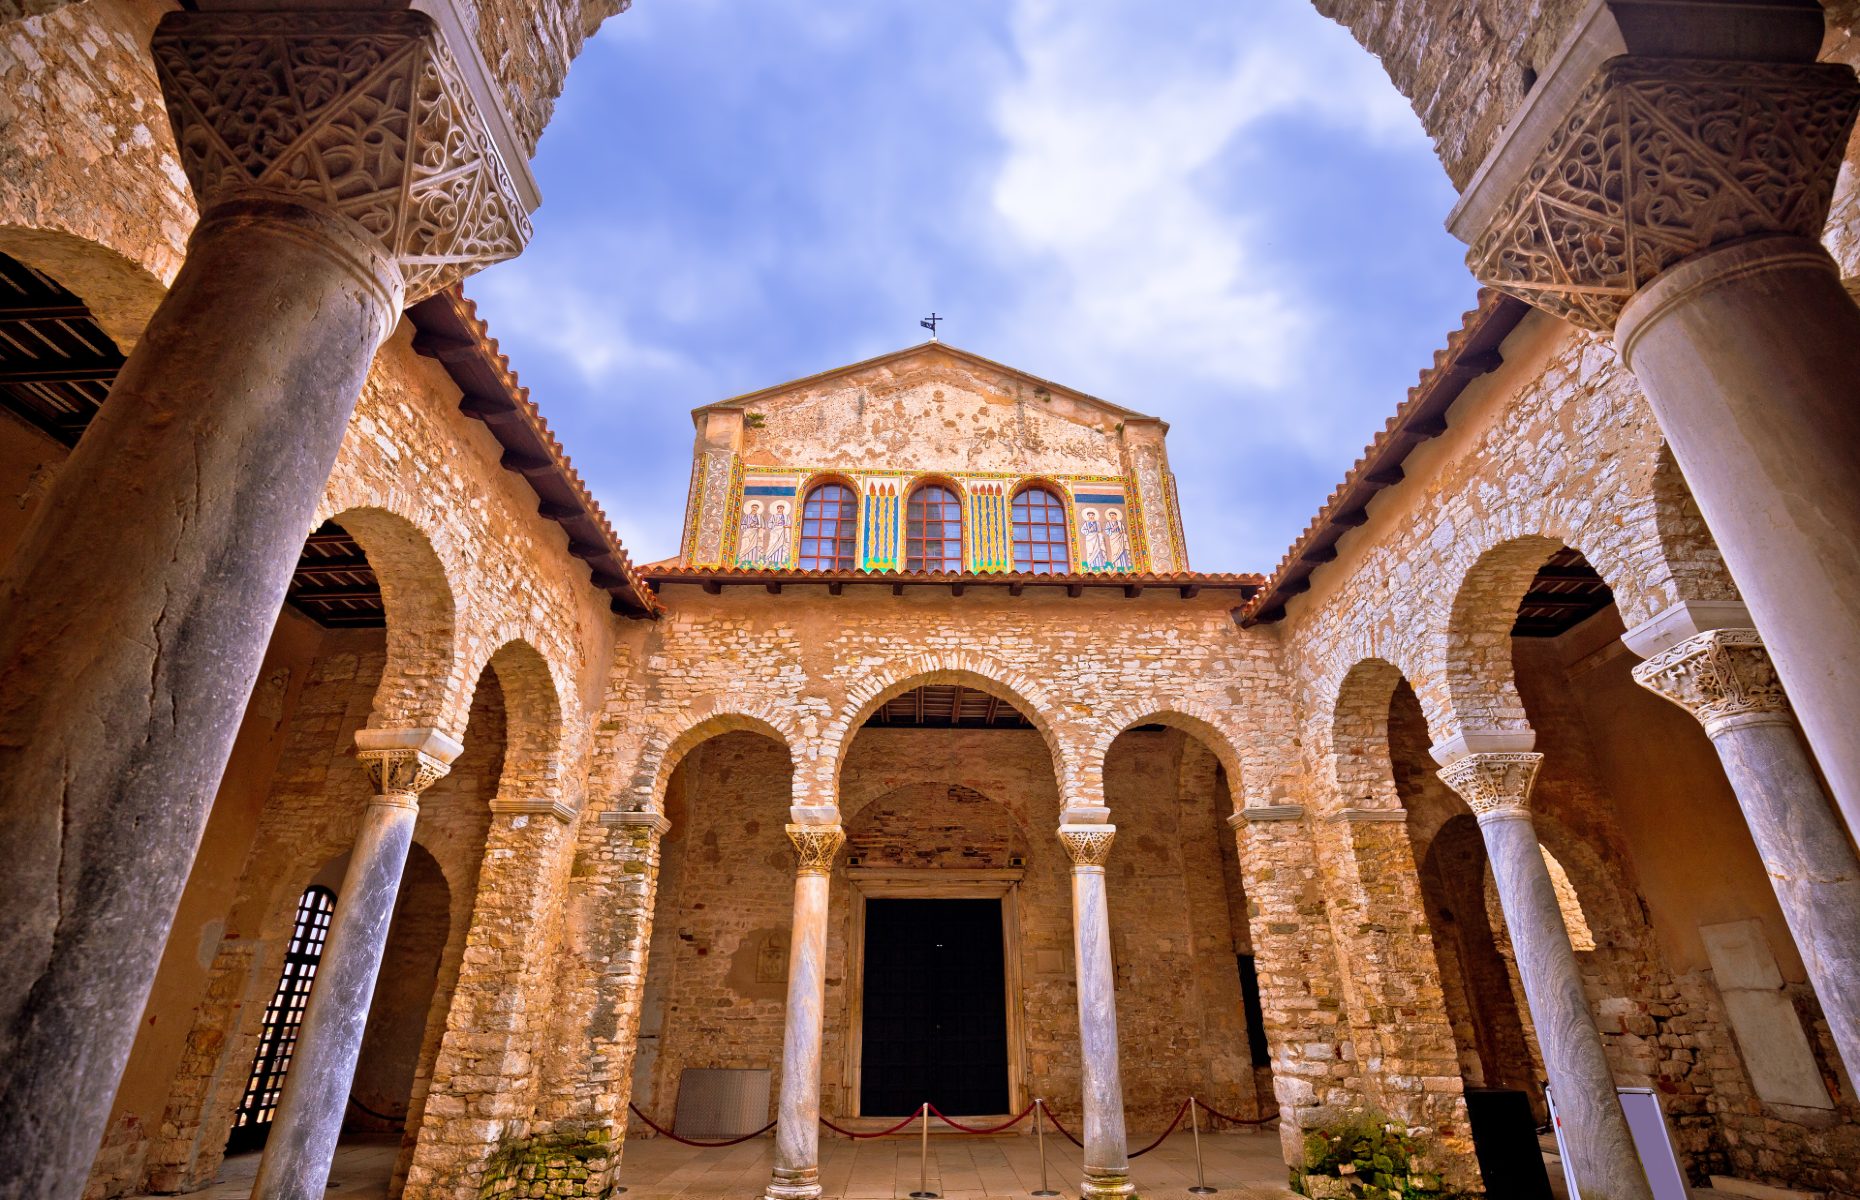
1493 782
400 774
816 845
1087 845
1659 159
363 113
1715 676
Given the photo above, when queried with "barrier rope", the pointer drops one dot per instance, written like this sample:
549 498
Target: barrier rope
1061 1128
863 1136
1271 1116
379 1116
1179 1114
958 1126
660 1129
961 1128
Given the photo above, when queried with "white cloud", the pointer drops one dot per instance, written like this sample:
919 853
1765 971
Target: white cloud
1115 130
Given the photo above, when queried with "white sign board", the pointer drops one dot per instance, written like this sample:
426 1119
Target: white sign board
1647 1125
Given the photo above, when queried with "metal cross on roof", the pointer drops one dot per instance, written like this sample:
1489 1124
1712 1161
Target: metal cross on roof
931 322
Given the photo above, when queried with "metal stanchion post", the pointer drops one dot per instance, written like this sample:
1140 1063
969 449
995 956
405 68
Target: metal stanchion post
1201 1187
1039 1133
923 1191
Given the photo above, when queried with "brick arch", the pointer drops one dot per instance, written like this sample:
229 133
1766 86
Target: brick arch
423 682
667 748
535 731
970 670
1191 717
1475 649
121 294
1362 768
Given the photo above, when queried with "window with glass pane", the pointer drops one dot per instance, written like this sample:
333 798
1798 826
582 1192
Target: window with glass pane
933 530
1040 533
277 1038
829 529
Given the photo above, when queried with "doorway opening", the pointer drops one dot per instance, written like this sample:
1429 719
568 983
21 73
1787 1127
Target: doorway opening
935 1004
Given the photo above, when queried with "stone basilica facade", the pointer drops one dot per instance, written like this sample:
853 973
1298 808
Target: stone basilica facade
928 770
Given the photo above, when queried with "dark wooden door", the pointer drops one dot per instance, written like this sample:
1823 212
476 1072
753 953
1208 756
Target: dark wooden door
935 1008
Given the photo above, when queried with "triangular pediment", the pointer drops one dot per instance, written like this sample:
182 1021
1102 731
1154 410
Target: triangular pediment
912 366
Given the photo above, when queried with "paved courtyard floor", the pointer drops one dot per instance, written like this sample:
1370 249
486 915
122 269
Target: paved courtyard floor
1244 1166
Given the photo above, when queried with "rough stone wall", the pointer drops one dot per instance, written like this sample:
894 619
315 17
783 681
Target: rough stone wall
1462 66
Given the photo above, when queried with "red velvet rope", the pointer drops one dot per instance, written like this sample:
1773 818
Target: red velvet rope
1236 1120
1179 1114
1061 1128
660 1129
959 1128
861 1136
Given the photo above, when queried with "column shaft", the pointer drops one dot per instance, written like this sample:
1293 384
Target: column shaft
1497 785
133 620
1601 1148
316 1092
1810 862
797 1132
1107 1162
1750 357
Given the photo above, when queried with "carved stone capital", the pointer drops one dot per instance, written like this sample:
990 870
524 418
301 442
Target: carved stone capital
1087 845
1658 159
364 114
401 774
1494 782
816 845
1716 676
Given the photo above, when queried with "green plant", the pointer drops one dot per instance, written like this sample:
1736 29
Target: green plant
1367 1155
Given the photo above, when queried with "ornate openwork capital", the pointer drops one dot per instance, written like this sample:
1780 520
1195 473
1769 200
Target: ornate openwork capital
816 845
1087 845
364 114
399 773
1494 781
1661 158
1715 676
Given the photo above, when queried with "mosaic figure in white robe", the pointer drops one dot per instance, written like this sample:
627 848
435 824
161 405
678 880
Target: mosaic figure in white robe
1116 542
749 537
1091 540
775 535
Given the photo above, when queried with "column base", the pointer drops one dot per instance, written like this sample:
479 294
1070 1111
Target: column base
793 1183
1106 1185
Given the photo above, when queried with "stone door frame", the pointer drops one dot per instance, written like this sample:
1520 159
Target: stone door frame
934 883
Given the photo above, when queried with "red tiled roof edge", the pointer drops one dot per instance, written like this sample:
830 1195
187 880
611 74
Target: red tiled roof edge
447 328
1471 351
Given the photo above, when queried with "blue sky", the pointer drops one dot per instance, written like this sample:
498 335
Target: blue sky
1221 214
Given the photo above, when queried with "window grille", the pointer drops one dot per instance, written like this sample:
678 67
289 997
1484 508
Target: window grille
933 530
285 1014
829 529
1040 546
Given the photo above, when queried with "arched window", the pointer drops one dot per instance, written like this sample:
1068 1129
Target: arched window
829 529
1040 546
933 530
277 1037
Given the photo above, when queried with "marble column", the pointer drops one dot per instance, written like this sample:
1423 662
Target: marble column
1497 785
1724 678
797 1130
1107 1162
136 611
401 764
1667 181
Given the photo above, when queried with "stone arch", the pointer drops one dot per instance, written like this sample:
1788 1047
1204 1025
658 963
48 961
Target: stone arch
1191 717
1480 691
971 670
121 294
1362 768
423 682
535 728
666 749
810 485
